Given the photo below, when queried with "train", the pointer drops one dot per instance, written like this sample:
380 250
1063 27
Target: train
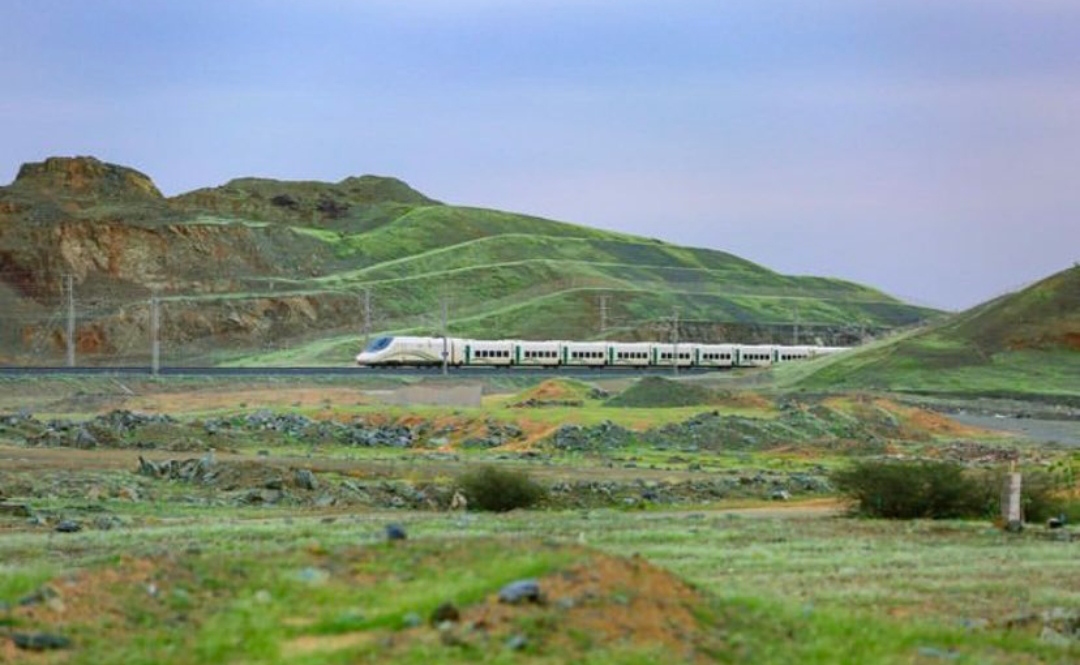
404 351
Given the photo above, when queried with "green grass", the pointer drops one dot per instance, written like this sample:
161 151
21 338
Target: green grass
786 588
1021 345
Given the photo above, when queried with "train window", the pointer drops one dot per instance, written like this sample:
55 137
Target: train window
378 344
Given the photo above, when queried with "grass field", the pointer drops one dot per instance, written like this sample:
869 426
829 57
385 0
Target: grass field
167 571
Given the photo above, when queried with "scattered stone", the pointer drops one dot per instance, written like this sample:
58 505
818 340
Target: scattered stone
446 611
40 641
313 576
42 595
517 642
459 502
521 591
107 522
84 439
934 652
305 479
68 526
411 620
395 532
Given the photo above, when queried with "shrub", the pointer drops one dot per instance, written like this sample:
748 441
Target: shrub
500 490
1041 494
910 490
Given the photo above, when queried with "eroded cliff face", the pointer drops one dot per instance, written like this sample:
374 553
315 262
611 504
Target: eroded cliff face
220 281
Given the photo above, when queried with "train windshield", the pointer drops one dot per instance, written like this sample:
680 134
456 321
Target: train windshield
378 344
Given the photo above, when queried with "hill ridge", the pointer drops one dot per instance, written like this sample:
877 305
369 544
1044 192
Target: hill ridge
247 267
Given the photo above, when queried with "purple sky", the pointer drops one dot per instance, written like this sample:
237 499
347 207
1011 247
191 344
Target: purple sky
928 148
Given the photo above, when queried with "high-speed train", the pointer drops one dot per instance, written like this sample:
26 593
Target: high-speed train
428 351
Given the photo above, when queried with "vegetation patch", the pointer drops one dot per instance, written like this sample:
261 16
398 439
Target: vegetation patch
500 490
929 489
655 391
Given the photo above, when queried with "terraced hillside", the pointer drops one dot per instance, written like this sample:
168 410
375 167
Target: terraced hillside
272 271
1023 344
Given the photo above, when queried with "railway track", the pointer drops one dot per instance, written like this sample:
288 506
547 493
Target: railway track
457 372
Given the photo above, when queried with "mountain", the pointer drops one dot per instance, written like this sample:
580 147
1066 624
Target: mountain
1022 344
260 266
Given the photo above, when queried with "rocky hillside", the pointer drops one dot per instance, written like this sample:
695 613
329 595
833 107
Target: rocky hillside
260 265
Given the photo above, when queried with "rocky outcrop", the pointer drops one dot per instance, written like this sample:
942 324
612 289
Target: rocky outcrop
76 177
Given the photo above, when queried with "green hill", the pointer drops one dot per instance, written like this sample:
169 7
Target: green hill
260 269
1022 344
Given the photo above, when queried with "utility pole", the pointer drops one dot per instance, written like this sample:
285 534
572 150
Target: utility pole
155 334
603 315
675 341
367 316
69 290
445 341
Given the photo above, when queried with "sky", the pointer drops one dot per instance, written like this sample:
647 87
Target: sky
929 149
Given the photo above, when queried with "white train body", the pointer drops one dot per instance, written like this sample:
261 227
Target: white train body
427 351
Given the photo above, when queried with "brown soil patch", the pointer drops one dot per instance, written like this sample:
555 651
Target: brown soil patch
928 422
602 602
745 400
553 389
915 423
549 393
97 602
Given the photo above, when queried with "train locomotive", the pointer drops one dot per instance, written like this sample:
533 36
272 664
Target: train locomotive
402 351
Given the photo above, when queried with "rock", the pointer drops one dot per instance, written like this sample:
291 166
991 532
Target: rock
780 495
304 479
934 652
313 576
517 642
411 620
1051 636
68 526
285 201
107 522
521 591
447 611
42 595
84 439
459 502
40 641
395 532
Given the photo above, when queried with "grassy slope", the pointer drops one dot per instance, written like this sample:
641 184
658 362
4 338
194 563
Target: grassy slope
512 275
1027 343
504 274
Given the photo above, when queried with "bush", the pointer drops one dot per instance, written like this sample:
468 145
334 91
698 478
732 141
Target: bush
910 490
942 490
500 490
1040 494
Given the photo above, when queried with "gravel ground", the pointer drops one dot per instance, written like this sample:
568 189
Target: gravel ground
1065 432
